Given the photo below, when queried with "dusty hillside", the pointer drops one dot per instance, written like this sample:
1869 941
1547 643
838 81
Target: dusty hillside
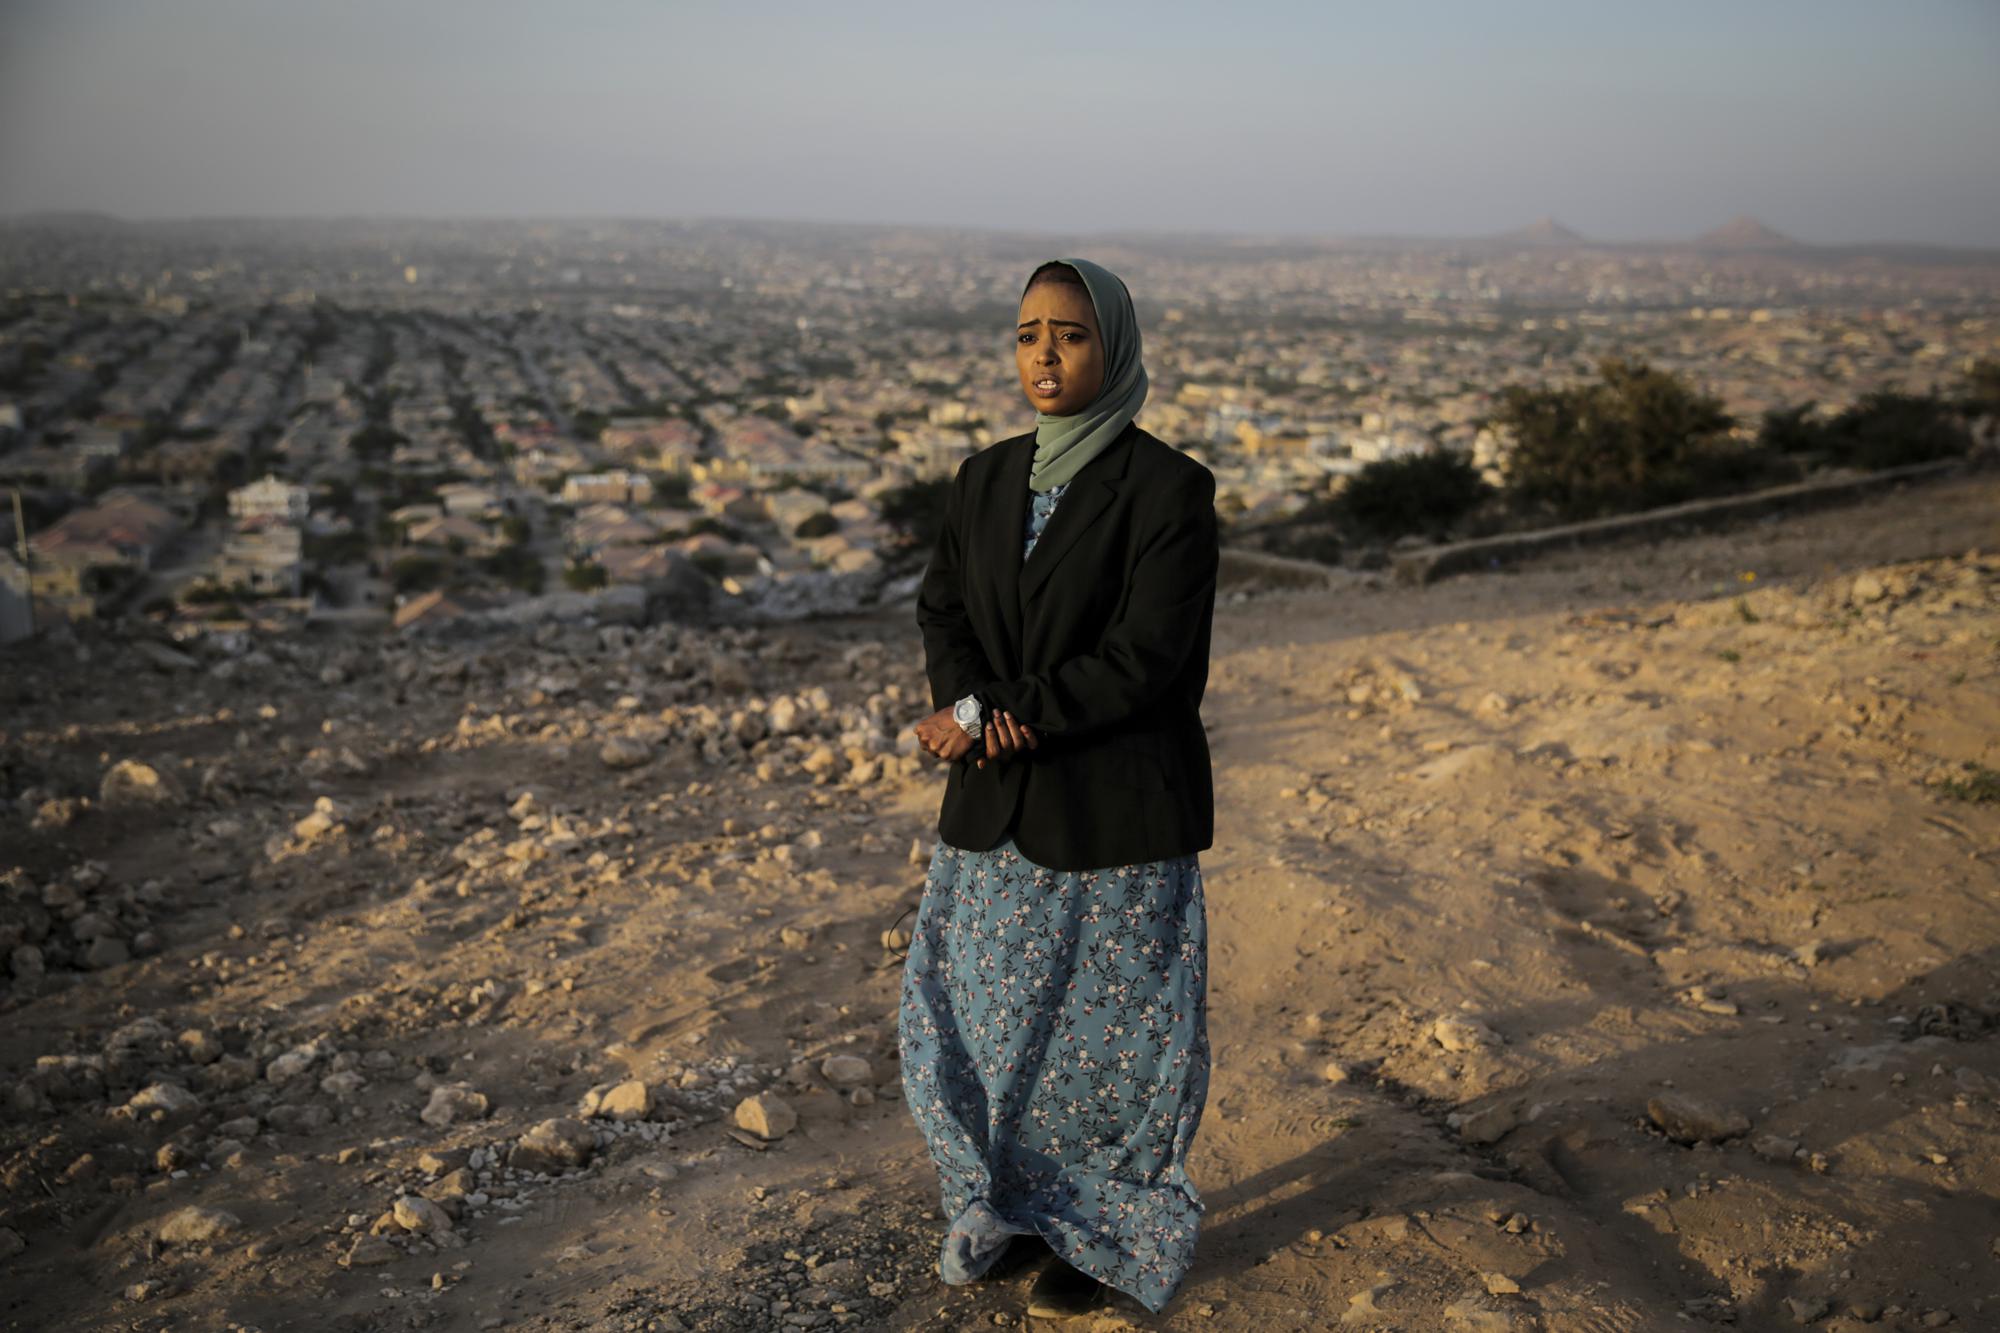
1597 947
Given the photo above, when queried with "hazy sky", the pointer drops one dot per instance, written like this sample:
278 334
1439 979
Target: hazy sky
1832 120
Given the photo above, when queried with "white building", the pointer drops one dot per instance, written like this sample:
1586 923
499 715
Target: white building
269 497
616 486
267 558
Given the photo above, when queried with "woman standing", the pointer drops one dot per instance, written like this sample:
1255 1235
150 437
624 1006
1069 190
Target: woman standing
1053 1018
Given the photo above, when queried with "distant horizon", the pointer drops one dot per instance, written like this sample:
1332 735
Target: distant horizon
995 229
1838 122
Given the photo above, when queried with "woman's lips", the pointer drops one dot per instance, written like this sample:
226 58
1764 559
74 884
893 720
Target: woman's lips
1047 387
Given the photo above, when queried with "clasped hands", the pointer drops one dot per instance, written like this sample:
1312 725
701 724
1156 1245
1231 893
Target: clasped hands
1002 736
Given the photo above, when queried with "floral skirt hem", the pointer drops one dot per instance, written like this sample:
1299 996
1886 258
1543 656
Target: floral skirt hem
1054 1037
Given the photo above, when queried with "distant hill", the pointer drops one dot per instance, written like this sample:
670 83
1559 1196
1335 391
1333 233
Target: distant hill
1543 231
68 220
1744 233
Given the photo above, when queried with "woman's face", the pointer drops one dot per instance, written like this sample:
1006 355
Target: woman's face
1057 350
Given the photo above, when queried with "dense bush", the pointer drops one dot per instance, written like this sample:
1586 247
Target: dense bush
375 441
1980 396
819 524
337 548
516 566
1790 431
670 491
1635 439
1415 493
417 573
1883 431
917 509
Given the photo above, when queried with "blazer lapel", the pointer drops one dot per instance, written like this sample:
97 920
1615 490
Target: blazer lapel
1094 487
1002 529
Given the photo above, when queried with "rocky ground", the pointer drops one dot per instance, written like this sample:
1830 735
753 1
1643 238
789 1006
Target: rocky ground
1606 945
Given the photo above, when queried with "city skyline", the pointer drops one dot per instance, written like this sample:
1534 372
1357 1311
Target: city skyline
1835 124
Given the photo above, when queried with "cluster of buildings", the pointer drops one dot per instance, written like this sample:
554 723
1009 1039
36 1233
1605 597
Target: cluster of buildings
478 424
88 556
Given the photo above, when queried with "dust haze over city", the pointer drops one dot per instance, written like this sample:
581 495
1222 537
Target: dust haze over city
468 470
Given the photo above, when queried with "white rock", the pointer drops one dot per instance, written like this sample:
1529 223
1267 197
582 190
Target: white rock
169 1097
630 1100
416 1213
847 1071
195 1225
624 752
766 1115
1692 1120
1455 1032
289 1066
130 783
452 1103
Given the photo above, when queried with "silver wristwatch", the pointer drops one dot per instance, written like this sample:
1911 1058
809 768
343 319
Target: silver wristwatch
968 715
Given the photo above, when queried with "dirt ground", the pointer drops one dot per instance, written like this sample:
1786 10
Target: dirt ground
1605 945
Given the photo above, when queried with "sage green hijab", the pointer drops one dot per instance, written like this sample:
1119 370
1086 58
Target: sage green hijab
1064 444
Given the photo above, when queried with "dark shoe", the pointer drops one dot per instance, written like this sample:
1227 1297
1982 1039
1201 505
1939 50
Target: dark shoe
1061 1292
1023 1250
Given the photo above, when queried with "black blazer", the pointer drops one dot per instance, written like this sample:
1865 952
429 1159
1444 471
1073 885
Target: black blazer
1099 641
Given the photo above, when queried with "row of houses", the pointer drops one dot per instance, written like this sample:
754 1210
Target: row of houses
91 552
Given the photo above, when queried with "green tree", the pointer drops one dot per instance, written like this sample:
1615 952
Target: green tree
1636 438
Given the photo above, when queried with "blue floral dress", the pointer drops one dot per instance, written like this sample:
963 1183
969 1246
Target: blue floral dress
1054 1034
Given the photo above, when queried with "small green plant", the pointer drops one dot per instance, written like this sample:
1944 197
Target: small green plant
1730 655
582 576
1982 787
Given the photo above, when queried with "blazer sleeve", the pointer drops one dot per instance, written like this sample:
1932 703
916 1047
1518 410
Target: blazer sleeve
1172 582
954 659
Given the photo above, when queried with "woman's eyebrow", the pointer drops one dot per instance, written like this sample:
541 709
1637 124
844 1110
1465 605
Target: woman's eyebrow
1070 323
